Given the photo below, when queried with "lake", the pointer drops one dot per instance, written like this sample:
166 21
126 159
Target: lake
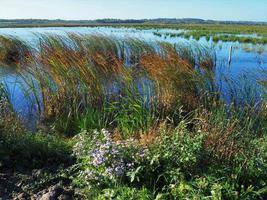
247 64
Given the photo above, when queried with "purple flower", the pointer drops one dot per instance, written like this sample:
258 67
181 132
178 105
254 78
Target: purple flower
107 145
109 171
98 161
119 171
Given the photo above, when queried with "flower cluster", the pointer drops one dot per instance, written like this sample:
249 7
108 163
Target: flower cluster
108 154
105 158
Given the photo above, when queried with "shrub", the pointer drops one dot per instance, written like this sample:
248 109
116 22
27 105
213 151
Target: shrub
177 165
104 162
175 156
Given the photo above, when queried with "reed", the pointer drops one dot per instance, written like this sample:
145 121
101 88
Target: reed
216 36
14 51
109 81
128 85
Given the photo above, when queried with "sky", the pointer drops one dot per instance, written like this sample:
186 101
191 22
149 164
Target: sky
252 10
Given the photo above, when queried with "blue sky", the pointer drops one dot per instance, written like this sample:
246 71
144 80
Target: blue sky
255 10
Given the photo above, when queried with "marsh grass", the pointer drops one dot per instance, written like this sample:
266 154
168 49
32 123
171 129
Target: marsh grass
255 48
14 51
95 81
215 37
128 85
217 32
8 118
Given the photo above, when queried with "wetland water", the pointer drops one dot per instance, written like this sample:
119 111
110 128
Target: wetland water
249 62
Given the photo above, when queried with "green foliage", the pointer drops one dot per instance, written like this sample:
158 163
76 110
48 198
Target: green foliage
104 163
177 165
33 150
119 192
252 164
176 154
130 114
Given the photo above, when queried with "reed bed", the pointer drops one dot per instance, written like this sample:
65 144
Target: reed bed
98 81
128 85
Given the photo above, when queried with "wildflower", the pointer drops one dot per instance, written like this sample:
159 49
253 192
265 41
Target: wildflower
109 171
119 170
130 165
98 161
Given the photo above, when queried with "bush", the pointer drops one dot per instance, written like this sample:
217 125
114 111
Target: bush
104 163
175 166
176 155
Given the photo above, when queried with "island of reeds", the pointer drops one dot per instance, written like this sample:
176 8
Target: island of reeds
127 119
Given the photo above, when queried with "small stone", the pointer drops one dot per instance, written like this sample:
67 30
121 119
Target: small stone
34 197
53 193
56 189
49 196
22 196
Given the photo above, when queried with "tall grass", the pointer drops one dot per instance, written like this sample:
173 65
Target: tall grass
14 51
8 118
128 84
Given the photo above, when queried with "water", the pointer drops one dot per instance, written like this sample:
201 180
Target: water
247 60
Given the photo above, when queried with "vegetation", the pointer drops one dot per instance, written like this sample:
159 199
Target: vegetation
13 51
211 28
215 37
226 31
216 32
134 120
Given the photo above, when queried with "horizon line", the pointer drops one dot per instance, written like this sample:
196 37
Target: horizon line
123 19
